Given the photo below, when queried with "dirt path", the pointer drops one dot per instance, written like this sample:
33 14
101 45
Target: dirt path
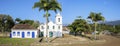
111 41
70 40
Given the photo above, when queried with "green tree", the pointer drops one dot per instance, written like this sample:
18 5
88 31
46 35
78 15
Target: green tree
95 17
17 20
30 22
79 25
36 24
47 5
26 21
6 23
118 28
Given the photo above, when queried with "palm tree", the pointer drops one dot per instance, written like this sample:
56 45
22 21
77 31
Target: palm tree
95 17
47 5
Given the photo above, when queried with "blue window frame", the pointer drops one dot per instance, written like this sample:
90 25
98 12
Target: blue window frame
28 33
14 34
18 33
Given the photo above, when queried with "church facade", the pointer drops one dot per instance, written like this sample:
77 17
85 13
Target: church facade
54 28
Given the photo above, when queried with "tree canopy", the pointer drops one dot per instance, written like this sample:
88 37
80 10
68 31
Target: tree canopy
6 22
79 25
95 17
47 5
26 21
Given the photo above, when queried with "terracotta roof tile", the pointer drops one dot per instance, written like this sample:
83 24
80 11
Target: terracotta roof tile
23 26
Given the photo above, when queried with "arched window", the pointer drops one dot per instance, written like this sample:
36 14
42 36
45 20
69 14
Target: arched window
58 19
14 34
42 27
18 33
28 33
53 27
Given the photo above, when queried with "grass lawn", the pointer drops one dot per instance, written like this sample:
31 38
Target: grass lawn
16 41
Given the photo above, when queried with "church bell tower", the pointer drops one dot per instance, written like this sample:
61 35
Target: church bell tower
59 19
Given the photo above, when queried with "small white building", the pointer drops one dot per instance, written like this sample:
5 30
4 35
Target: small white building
23 31
54 29
65 30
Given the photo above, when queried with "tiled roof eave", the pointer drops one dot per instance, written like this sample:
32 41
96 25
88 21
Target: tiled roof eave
24 29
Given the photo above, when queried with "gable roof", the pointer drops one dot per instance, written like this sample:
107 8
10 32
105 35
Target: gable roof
49 23
23 26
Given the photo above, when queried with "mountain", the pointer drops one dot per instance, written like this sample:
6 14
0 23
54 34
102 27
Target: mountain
117 22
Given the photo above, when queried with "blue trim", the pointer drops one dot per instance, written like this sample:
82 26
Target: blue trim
10 35
33 34
28 33
23 34
14 33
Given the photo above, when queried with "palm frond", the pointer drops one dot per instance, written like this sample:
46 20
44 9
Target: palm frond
37 5
54 5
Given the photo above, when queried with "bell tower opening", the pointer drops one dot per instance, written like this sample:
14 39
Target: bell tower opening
58 19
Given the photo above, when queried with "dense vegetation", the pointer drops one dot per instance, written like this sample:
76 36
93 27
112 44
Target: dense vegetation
7 22
82 25
79 25
30 22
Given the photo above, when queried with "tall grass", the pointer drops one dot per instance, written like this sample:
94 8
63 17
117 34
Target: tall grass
16 41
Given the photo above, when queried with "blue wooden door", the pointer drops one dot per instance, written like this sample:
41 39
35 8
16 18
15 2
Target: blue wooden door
33 34
23 34
10 35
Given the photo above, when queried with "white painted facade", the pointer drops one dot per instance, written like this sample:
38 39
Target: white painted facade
55 28
27 33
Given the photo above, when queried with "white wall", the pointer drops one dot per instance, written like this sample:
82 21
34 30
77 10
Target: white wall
56 31
25 31
56 18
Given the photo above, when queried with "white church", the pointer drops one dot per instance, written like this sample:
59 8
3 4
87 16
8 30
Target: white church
54 28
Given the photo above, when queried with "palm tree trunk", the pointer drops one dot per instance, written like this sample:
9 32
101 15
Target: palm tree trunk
95 30
75 33
47 26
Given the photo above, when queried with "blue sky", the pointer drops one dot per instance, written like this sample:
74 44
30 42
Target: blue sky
110 9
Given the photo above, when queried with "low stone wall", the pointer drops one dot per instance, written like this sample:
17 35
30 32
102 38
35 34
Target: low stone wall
5 34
